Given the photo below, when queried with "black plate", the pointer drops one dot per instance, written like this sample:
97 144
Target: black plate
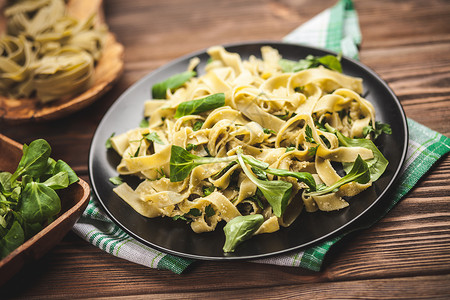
176 237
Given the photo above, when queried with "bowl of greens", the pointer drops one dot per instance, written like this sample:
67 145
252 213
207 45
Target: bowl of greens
40 200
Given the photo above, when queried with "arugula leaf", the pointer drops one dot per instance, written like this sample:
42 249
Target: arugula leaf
286 115
325 140
276 192
200 105
197 125
254 162
159 90
359 173
34 159
144 123
320 126
377 165
260 174
301 176
309 136
208 190
39 202
288 149
329 61
116 180
108 144
269 131
182 162
240 229
153 137
379 129
257 198
224 170
12 239
180 217
209 211
195 212
161 173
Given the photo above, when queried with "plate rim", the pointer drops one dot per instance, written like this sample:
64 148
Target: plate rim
320 239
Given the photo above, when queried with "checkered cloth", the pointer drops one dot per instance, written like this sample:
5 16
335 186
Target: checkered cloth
336 29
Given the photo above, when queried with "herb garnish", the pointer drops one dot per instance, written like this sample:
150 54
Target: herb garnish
116 180
329 61
379 129
240 229
359 173
159 90
144 123
197 125
207 190
108 144
200 105
276 192
182 162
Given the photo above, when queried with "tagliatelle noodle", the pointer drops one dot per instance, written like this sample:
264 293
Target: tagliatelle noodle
271 115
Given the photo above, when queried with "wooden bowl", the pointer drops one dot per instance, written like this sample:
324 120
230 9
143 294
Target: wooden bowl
107 71
74 200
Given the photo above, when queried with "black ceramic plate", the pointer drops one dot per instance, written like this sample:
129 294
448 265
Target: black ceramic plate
176 237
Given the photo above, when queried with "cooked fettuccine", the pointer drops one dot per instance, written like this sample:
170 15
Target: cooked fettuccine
248 139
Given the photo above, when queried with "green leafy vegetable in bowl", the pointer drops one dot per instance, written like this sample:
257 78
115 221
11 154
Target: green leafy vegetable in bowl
28 197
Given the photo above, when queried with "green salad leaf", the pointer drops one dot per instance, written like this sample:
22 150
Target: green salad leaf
159 89
359 173
116 180
377 130
41 203
153 137
377 165
58 181
34 159
304 177
262 166
182 162
329 61
276 192
12 239
28 200
240 229
200 105
62 166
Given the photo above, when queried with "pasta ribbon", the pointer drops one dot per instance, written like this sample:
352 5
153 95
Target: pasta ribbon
282 126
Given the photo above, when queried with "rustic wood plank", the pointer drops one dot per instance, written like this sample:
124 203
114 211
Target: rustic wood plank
395 247
405 255
435 287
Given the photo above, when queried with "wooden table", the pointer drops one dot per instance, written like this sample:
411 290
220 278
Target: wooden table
405 255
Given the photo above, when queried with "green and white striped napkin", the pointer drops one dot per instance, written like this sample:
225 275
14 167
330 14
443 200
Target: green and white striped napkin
336 29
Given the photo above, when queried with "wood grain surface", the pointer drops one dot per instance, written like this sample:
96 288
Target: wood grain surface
404 256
